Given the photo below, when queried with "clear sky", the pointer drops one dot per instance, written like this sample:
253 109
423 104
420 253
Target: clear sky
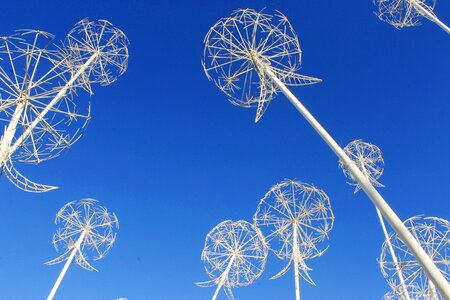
168 153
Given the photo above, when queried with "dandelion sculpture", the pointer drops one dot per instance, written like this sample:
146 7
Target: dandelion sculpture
295 218
39 117
414 291
368 159
234 255
434 236
86 231
407 13
240 42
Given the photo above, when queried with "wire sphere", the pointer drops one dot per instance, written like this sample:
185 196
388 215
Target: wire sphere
236 250
292 204
238 47
433 234
402 13
415 292
87 216
369 160
31 77
100 41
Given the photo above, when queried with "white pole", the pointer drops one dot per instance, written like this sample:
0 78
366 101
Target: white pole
224 277
424 260
295 255
394 258
432 291
66 266
426 13
405 294
6 150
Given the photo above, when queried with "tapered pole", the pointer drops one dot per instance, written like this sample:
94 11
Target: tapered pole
295 254
427 14
432 291
223 277
424 260
405 294
66 266
6 149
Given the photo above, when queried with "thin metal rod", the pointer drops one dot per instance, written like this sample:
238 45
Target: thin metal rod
295 254
424 12
66 266
394 257
433 273
5 153
223 278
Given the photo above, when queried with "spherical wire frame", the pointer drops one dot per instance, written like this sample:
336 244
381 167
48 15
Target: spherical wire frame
237 48
434 236
234 255
294 203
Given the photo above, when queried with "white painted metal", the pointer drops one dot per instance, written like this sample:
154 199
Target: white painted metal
41 116
429 267
38 86
430 16
94 228
407 13
405 293
295 254
296 219
234 254
368 158
224 277
66 265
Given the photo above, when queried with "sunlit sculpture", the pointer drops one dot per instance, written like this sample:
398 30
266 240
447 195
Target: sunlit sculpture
235 255
413 292
232 46
407 13
238 45
369 160
39 82
434 236
295 219
87 231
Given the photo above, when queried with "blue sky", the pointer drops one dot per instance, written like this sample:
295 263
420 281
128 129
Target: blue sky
168 153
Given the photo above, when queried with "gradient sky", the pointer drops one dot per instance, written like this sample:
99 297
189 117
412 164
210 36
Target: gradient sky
168 153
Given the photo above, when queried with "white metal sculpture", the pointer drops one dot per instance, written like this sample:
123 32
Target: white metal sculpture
232 45
407 13
39 117
434 236
414 292
240 41
87 231
296 219
234 254
369 160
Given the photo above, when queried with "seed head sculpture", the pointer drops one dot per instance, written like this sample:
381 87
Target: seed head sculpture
86 232
296 219
367 157
236 46
39 117
434 236
233 48
413 292
407 13
234 255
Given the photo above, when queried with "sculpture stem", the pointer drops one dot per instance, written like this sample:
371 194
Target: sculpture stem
433 273
223 277
66 265
430 16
